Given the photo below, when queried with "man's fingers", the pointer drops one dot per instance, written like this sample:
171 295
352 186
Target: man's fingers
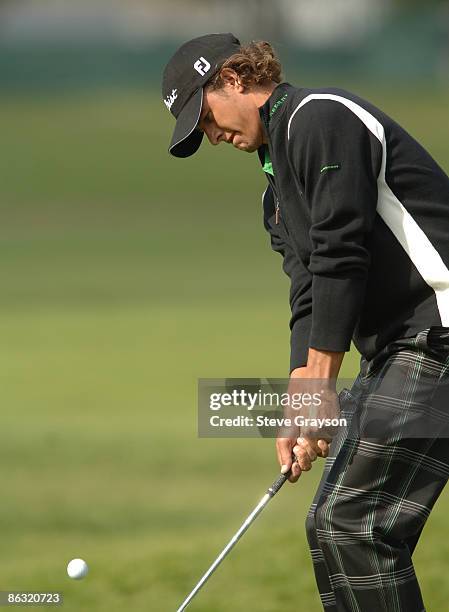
284 452
306 451
302 458
307 446
296 472
324 446
314 447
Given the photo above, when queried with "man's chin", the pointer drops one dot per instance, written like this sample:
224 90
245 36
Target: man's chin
245 147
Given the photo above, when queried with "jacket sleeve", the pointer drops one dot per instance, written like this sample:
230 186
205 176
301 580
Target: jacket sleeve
337 159
300 287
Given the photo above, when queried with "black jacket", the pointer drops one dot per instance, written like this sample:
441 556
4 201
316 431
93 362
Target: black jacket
362 222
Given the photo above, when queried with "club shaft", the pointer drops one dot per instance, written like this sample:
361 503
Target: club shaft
257 510
254 514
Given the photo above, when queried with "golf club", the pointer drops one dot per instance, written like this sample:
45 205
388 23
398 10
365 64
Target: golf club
271 492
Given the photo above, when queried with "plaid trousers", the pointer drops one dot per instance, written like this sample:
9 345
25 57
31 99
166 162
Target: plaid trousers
376 493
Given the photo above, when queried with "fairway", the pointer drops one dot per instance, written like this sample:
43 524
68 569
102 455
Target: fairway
126 276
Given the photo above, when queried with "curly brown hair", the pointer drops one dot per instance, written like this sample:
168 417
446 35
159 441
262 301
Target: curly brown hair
256 63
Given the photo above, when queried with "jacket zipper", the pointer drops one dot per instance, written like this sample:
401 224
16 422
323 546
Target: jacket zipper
277 205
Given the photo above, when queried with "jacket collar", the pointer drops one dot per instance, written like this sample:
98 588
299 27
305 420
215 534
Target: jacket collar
273 107
275 103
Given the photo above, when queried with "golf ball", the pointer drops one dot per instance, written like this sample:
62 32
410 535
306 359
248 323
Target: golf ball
77 569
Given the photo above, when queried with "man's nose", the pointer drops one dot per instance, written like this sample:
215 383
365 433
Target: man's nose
215 135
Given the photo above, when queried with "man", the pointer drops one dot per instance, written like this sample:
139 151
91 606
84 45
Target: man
360 213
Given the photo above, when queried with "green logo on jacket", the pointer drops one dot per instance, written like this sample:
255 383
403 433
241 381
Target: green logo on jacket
330 167
277 104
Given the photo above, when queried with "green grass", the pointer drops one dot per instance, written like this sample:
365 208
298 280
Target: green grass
126 276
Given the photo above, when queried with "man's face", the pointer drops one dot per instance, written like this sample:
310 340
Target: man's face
231 115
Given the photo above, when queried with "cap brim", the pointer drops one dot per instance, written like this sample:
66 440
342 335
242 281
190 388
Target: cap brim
186 138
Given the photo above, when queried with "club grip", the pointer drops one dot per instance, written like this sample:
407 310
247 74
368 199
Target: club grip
277 484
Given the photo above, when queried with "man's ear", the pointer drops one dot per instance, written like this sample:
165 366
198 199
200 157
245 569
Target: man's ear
232 79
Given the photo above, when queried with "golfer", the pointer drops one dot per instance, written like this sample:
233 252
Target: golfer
359 211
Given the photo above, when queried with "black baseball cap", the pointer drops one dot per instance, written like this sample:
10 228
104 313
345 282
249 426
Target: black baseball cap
185 76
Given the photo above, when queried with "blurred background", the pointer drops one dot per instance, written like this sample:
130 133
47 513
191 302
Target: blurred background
127 275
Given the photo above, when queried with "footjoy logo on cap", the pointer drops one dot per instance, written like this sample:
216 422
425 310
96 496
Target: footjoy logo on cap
202 66
169 101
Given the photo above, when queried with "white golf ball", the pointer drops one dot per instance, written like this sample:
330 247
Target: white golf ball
77 569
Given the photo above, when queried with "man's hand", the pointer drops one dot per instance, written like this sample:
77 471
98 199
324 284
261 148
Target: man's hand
284 449
319 379
305 451
321 365
326 412
293 451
